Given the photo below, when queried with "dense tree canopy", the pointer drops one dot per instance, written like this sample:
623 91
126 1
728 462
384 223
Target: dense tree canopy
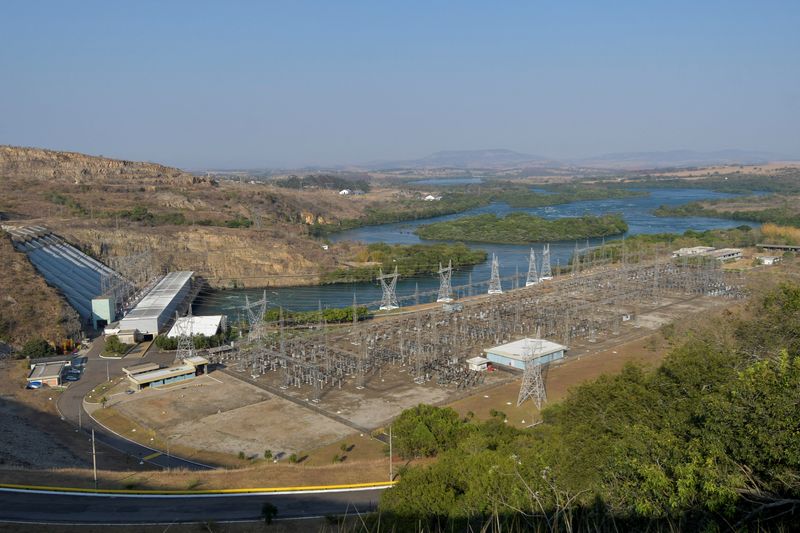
709 439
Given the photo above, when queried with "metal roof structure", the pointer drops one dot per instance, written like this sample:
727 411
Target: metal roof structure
77 275
47 371
159 304
198 325
526 349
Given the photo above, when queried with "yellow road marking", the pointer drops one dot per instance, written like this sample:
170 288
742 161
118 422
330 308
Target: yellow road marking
151 456
208 491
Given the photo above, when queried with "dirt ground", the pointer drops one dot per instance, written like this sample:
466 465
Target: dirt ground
638 342
560 378
221 413
32 432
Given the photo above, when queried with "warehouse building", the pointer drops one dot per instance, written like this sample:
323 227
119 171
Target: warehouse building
726 254
516 354
145 377
158 307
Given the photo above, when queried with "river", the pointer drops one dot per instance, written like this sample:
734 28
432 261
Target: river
636 210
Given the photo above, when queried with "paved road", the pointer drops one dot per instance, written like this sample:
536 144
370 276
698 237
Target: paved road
70 403
70 508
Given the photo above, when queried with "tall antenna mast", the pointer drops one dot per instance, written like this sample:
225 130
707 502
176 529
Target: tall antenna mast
445 285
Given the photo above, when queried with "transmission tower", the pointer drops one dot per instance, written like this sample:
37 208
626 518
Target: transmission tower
494 282
255 316
546 273
576 261
445 286
533 275
185 346
532 380
389 298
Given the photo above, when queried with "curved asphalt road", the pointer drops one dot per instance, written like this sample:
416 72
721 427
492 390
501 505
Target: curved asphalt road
71 402
64 508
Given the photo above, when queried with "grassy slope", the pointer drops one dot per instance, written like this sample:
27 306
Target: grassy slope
30 307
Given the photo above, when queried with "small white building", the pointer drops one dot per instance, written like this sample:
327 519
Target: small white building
345 192
478 364
768 259
694 250
516 354
432 198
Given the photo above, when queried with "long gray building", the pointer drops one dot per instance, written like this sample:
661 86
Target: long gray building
156 309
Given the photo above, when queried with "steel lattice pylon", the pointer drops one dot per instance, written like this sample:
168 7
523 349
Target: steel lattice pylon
545 273
532 380
494 282
533 274
389 298
445 287
185 346
255 316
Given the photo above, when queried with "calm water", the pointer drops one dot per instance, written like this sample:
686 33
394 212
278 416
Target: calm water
637 212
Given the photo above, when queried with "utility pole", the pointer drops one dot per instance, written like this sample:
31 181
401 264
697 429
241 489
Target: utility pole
108 375
94 461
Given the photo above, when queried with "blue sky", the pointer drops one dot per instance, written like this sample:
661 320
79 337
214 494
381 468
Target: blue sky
244 84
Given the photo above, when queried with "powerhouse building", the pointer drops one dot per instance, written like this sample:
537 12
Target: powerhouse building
158 307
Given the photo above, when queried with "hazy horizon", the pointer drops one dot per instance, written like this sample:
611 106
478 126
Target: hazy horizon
246 85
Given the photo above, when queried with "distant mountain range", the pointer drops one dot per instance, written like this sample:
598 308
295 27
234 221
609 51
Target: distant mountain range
679 158
492 158
501 158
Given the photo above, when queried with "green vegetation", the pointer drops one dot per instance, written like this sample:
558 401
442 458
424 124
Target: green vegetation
707 441
645 245
70 203
114 346
561 194
784 215
323 181
173 218
785 181
200 341
405 210
35 348
521 228
410 260
459 199
332 316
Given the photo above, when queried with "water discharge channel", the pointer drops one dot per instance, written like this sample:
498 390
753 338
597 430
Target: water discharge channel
637 212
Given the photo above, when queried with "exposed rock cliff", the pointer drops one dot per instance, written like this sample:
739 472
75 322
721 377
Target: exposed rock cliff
224 257
73 167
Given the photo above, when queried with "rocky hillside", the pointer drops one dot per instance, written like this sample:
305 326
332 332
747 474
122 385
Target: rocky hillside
72 167
28 306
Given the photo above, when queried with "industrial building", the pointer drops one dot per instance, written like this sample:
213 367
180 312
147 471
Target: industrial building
694 250
145 376
478 364
48 373
197 325
158 307
516 354
726 254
